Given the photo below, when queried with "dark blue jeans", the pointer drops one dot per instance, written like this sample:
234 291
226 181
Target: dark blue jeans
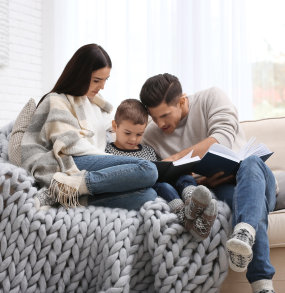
251 200
171 191
118 181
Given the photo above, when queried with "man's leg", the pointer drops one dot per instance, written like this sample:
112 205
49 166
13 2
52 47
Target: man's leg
254 198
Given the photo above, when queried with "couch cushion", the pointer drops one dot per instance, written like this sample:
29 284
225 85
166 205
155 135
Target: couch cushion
276 235
22 122
280 202
271 132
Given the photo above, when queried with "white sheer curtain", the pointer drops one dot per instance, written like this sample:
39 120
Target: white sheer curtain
203 42
213 38
4 32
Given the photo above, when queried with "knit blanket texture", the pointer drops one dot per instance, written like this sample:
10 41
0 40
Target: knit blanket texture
95 249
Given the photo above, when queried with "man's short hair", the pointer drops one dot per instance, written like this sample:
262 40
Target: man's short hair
160 88
132 110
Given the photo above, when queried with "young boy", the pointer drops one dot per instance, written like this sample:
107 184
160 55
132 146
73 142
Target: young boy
198 211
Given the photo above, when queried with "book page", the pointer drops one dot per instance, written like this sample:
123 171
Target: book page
252 148
186 159
223 151
226 156
247 149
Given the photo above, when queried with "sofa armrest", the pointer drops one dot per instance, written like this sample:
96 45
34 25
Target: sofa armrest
276 221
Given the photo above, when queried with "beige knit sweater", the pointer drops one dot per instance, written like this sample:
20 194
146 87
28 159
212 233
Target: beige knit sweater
211 114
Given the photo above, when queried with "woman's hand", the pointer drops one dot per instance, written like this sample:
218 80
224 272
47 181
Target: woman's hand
215 180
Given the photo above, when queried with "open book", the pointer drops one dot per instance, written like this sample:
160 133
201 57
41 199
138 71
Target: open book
169 171
218 158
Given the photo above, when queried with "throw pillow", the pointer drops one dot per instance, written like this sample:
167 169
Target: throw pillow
269 131
21 124
280 200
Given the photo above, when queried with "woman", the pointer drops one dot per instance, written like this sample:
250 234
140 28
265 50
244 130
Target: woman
64 147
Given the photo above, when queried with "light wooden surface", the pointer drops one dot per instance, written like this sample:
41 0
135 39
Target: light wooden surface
237 282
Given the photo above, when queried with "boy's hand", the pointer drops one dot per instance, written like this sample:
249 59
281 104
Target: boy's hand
175 157
215 180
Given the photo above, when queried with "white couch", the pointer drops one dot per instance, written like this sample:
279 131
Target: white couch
43 258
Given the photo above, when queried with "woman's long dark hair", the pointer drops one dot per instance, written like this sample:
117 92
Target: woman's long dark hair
76 76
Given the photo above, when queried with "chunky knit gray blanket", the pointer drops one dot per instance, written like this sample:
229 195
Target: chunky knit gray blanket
95 249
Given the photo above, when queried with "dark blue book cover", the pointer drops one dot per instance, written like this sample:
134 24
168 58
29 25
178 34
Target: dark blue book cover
167 172
209 165
212 163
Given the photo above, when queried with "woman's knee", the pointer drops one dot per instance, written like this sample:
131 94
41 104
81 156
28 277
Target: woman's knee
150 172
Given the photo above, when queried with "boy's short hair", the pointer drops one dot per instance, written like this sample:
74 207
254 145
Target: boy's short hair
160 88
133 110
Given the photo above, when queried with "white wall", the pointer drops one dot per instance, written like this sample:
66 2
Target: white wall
21 77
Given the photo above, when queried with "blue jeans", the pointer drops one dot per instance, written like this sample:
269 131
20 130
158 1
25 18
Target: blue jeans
118 181
169 192
251 200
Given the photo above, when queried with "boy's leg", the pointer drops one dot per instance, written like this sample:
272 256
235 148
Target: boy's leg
169 193
196 198
177 206
225 193
202 225
184 181
200 208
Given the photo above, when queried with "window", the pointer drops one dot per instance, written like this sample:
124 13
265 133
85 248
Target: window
266 27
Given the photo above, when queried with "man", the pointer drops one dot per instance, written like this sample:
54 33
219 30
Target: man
183 123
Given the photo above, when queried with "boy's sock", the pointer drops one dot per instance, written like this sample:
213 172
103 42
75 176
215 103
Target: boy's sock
203 224
177 207
187 192
240 246
262 286
197 199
